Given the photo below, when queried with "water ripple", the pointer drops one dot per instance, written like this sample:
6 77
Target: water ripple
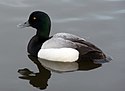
67 20
88 18
119 11
114 0
14 3
103 17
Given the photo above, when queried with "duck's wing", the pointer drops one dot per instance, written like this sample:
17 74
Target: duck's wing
68 36
84 47
80 42
58 42
61 40
65 40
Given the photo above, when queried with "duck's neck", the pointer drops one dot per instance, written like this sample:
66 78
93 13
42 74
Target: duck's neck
43 31
35 44
43 34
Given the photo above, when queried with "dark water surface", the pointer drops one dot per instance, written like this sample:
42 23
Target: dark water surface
99 21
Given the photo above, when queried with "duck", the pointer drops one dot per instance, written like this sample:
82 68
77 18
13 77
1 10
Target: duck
61 47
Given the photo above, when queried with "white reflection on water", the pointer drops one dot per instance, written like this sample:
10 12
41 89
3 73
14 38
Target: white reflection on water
22 3
66 0
114 0
68 20
90 17
119 11
103 17
14 3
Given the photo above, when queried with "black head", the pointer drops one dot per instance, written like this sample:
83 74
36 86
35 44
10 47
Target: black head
39 20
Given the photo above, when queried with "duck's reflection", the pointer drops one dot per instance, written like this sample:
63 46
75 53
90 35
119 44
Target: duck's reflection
63 67
40 79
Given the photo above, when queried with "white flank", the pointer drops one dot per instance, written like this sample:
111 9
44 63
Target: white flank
59 54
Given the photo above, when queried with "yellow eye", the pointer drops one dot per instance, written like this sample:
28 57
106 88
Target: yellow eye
34 18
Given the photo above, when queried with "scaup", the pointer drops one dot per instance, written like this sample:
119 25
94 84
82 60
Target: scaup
62 47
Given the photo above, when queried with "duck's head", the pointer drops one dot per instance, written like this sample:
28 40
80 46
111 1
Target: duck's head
39 20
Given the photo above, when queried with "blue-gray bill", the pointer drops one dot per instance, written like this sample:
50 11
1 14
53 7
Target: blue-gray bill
23 25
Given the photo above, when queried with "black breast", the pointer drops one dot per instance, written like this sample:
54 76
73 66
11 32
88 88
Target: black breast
35 44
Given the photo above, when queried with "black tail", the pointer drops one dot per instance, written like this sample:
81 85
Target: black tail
97 57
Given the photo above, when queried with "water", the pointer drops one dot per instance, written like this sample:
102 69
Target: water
99 21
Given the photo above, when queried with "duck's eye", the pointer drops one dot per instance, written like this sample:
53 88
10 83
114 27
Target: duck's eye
34 18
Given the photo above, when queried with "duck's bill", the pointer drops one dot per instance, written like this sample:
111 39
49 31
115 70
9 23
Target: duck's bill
23 25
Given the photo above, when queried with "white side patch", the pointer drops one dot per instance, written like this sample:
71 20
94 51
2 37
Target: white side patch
59 54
